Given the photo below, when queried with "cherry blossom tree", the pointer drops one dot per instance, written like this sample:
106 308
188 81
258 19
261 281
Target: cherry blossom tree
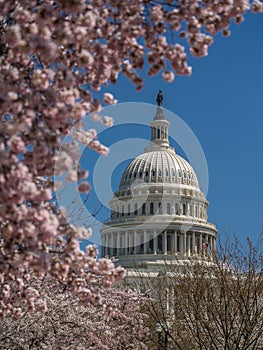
209 305
64 323
55 56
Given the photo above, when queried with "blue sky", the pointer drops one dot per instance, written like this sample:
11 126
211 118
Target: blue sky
222 102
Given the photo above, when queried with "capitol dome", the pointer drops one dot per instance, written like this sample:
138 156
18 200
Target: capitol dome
158 210
159 166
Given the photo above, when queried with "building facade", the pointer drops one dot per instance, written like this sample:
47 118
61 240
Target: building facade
158 212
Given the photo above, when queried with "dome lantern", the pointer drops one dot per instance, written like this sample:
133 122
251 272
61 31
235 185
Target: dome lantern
159 128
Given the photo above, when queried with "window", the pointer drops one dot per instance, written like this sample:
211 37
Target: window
143 209
141 245
184 209
191 210
160 243
151 208
196 211
135 174
118 212
147 173
122 210
135 209
168 208
153 172
129 209
176 209
151 244
169 243
160 208
158 133
160 172
166 172
140 174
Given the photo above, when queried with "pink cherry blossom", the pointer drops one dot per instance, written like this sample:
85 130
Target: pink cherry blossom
57 63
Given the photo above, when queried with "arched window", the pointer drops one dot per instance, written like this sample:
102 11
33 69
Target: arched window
135 209
143 209
168 208
151 208
184 209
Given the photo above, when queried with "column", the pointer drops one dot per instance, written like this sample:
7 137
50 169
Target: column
126 243
187 209
210 242
118 243
188 244
165 242
181 243
110 245
206 241
214 245
175 242
145 242
200 244
104 246
134 242
115 244
155 243
193 244
184 235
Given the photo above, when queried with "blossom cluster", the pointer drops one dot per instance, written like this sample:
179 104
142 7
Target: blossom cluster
116 323
55 56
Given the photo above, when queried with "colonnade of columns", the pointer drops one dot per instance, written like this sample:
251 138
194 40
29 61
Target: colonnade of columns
159 133
151 242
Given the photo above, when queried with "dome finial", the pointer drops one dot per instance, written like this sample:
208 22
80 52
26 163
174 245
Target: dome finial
159 98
